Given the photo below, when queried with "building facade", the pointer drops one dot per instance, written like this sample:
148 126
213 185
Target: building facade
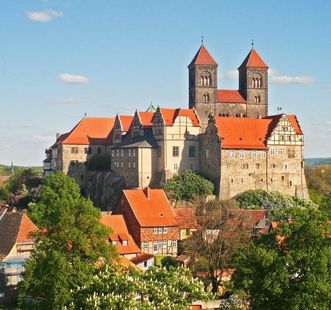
225 135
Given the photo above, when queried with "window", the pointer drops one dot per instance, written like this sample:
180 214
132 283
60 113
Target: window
74 150
257 166
99 150
191 151
129 164
175 151
112 153
134 153
117 153
291 183
155 230
207 154
122 164
114 242
125 242
160 230
283 178
86 150
174 243
155 247
206 97
129 151
133 164
164 244
232 153
241 154
253 154
285 166
165 230
272 151
281 151
122 153
145 245
273 166
175 167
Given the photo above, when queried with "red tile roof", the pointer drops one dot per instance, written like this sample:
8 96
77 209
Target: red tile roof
169 116
120 233
126 121
294 121
90 131
146 118
202 57
25 229
186 218
150 207
243 133
231 96
253 59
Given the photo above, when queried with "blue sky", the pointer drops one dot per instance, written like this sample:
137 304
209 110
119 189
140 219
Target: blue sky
61 59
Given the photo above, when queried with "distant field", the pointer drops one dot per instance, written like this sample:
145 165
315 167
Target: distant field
5 170
318 161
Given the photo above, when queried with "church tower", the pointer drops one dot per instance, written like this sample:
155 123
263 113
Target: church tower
253 83
203 84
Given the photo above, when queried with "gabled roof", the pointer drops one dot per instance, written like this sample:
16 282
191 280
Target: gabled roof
253 59
90 130
169 116
120 233
231 96
202 57
125 121
243 133
140 258
146 118
294 121
150 207
14 227
26 227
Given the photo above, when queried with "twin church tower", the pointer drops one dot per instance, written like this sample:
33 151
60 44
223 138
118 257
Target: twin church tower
250 100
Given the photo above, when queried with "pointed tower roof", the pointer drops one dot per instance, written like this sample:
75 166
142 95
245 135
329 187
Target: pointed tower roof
202 57
253 59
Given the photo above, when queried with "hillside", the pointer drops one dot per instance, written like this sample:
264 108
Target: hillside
6 170
318 161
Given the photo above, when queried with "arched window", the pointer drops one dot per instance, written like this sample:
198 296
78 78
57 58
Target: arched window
206 97
258 98
205 79
257 81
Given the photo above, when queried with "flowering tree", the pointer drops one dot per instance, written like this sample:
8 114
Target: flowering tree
157 288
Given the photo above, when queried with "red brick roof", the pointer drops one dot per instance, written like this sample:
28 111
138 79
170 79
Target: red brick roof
202 57
90 130
120 233
126 121
169 116
231 96
243 133
146 118
186 218
253 59
150 207
25 229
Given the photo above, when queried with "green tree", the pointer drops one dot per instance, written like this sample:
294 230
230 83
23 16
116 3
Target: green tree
187 185
26 179
71 243
99 162
157 288
4 194
289 268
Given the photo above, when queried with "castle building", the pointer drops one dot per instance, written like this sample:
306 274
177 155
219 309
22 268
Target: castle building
250 100
225 135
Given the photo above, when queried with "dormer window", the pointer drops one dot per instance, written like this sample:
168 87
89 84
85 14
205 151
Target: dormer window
124 242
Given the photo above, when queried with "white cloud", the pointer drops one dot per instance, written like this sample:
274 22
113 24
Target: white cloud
43 16
42 138
278 78
73 79
68 101
232 74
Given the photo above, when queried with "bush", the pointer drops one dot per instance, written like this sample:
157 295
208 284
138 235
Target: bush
270 200
187 185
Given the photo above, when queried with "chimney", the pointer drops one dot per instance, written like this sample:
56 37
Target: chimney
147 192
57 136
